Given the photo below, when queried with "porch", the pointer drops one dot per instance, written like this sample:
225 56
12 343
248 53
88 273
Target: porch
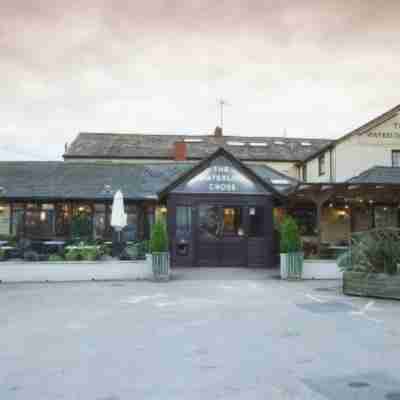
328 213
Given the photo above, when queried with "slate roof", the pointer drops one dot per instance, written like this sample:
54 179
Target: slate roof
77 180
379 175
125 146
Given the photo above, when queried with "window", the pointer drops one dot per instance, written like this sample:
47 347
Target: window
256 221
321 165
39 220
232 221
63 219
183 220
395 158
385 217
234 143
304 172
101 222
17 219
258 144
132 223
81 223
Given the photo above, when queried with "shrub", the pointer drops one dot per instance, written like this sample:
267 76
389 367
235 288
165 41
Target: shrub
290 241
2 255
90 254
73 255
375 251
344 261
55 257
159 237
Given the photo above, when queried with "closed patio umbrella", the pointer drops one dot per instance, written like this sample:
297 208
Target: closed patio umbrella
118 216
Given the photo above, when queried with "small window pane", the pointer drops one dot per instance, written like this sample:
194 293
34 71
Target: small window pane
232 221
209 222
385 217
396 158
256 225
183 220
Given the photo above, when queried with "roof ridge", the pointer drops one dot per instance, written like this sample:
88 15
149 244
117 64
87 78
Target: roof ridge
239 136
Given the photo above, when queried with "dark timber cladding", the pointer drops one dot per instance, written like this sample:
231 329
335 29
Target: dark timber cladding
220 213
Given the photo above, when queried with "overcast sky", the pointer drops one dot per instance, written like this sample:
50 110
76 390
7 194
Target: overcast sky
314 68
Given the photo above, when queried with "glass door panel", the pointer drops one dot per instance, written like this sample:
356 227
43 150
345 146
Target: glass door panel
210 222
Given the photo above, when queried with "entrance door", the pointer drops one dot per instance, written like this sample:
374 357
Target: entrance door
220 236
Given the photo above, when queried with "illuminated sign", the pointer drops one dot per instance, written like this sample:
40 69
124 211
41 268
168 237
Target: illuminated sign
220 177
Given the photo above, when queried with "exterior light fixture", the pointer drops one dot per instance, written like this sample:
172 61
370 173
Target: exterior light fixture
81 209
1 209
43 216
371 201
346 206
163 209
330 205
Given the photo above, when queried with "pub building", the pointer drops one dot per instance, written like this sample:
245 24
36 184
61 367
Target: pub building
222 195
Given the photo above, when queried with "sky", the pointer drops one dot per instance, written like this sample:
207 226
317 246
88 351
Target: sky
304 68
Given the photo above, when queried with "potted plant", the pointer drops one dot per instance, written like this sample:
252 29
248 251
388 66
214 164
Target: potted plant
291 249
159 250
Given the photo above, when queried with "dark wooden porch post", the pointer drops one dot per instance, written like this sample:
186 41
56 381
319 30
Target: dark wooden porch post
319 200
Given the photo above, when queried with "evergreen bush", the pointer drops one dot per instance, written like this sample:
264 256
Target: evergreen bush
290 241
159 237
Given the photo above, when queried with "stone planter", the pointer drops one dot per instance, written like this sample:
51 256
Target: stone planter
291 265
371 285
161 267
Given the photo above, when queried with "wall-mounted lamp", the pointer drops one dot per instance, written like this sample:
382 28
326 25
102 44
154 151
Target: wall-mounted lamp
163 209
43 216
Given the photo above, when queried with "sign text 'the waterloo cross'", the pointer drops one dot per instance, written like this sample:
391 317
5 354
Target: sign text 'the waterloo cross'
221 179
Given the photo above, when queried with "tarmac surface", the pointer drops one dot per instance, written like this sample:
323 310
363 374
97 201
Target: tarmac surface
207 334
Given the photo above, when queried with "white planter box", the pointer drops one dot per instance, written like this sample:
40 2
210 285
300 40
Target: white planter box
74 271
321 269
291 262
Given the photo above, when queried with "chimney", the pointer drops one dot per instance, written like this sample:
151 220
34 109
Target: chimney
180 151
218 132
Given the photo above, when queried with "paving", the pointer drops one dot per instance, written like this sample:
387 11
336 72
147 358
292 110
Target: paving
207 334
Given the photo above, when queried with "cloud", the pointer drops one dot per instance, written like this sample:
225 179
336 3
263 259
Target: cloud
316 68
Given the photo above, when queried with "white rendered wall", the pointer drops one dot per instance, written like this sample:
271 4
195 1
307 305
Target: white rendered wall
74 271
